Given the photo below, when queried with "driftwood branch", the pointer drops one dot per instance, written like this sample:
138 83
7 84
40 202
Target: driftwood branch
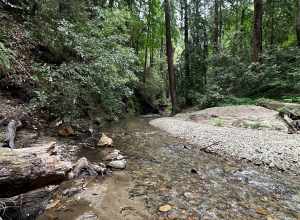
289 123
11 130
7 5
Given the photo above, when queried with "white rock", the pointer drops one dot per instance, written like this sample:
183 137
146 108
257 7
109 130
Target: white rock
118 164
105 141
113 155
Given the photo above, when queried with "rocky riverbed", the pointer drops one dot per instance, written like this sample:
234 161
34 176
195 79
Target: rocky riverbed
174 175
168 178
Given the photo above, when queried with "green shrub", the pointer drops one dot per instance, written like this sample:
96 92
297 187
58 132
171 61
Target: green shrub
232 100
210 98
6 55
103 75
278 74
218 122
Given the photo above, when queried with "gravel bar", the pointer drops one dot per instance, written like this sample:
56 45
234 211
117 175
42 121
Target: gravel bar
272 148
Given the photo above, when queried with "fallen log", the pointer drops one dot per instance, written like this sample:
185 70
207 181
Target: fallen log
290 109
26 206
289 113
23 170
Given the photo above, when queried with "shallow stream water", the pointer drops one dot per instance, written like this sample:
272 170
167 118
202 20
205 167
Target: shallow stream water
197 185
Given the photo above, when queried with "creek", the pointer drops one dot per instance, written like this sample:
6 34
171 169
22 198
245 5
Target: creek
163 170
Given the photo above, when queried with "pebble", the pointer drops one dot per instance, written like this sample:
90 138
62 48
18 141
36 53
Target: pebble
165 208
115 155
189 195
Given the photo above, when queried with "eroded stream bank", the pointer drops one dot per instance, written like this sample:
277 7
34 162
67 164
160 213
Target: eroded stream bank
197 185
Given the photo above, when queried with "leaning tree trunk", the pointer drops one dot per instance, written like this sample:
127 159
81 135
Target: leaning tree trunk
257 30
26 169
170 56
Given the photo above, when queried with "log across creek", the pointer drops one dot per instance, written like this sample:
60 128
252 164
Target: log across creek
26 173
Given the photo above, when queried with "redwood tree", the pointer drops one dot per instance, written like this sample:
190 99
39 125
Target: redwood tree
186 48
170 55
216 30
257 30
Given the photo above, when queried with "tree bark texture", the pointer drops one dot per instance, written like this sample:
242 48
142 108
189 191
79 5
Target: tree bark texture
170 56
22 170
257 30
298 25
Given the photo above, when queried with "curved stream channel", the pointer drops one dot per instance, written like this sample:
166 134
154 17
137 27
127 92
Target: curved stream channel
197 185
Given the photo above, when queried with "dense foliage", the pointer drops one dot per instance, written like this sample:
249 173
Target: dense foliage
102 69
6 55
221 64
110 56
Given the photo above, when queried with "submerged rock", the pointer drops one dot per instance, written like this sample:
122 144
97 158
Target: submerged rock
115 155
88 216
165 208
66 131
118 164
72 191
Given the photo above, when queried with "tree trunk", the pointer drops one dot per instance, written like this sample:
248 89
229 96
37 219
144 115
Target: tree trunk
187 49
170 56
163 74
145 65
272 36
242 33
221 2
111 3
205 54
216 31
298 25
257 30
151 57
22 170
130 4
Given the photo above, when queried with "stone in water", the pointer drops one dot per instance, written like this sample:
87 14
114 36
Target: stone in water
118 164
105 141
165 208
